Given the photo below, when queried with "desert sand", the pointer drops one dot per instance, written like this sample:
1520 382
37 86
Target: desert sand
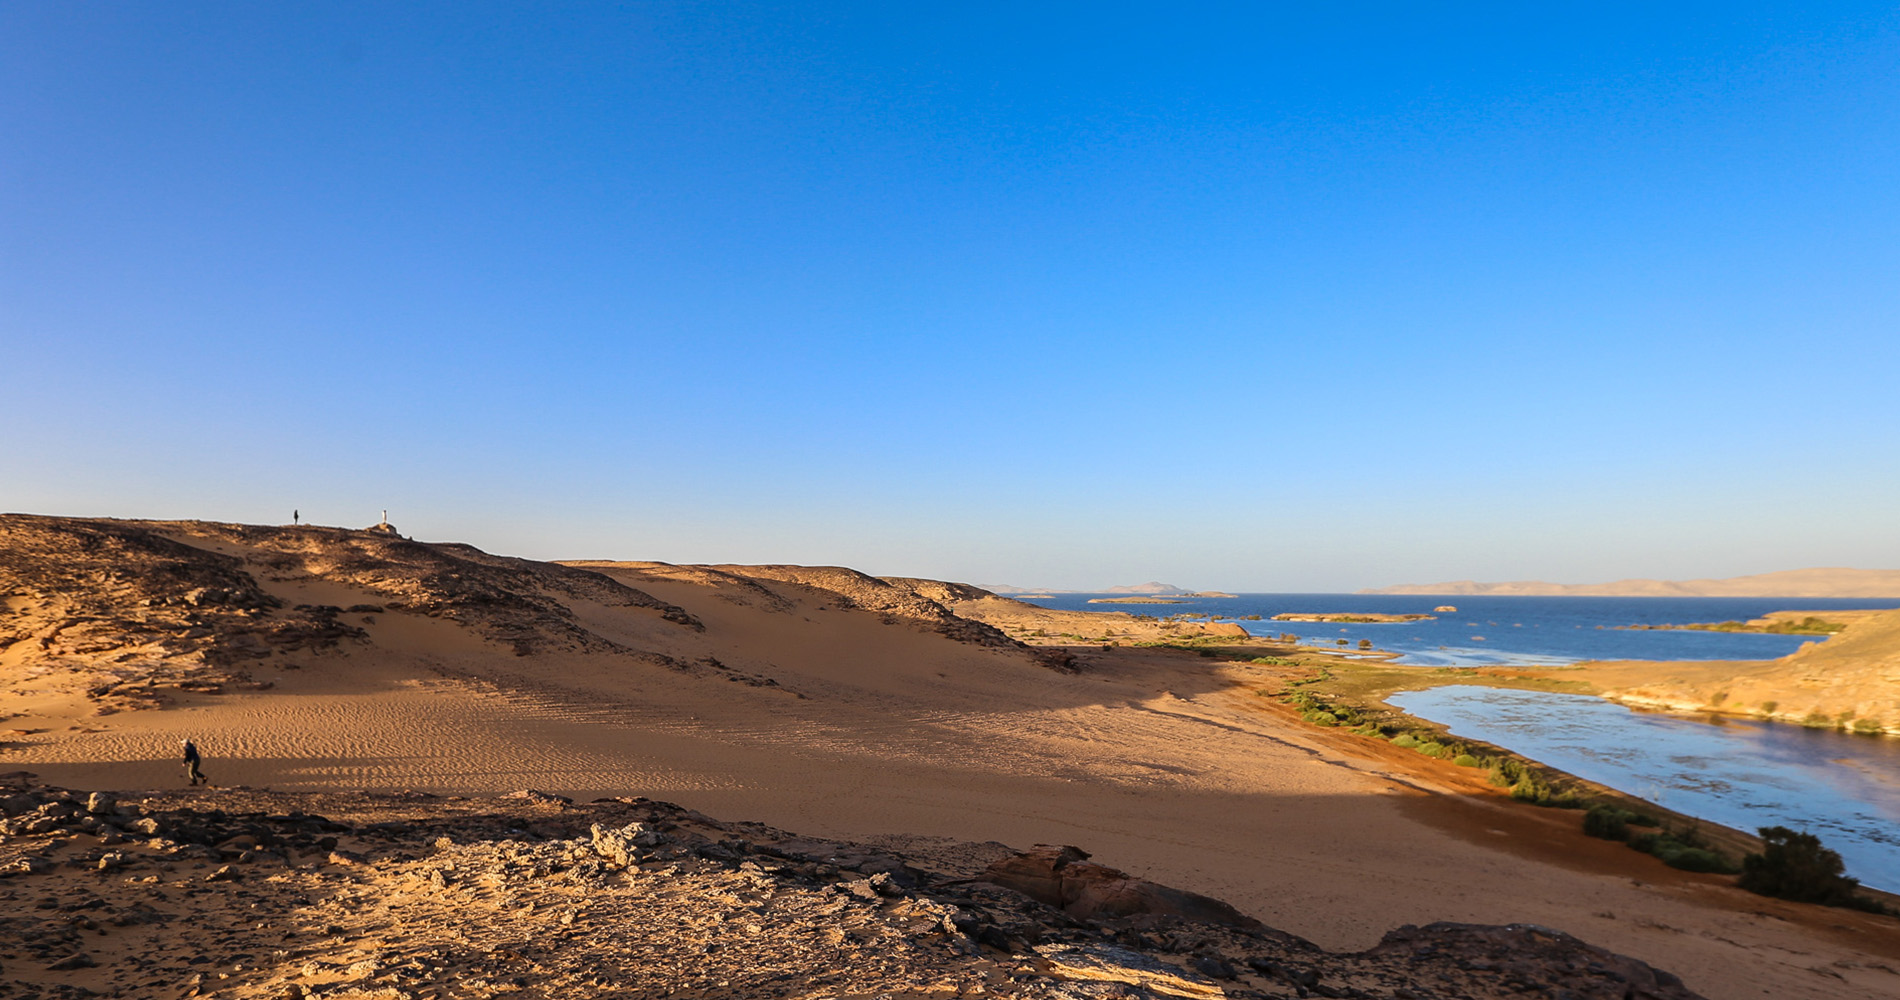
826 702
1847 682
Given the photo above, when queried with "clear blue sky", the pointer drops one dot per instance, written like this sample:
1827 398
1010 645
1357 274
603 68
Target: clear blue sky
1235 297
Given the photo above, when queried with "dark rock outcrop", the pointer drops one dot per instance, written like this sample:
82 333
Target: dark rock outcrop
1062 877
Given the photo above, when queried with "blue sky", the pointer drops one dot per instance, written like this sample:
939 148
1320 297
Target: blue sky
1240 297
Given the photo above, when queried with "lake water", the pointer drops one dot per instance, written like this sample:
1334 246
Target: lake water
1495 630
1842 788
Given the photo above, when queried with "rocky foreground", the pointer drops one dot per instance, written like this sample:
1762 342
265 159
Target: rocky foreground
241 893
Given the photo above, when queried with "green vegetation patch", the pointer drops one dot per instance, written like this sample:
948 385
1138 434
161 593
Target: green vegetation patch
1795 866
1806 626
1613 822
1672 850
1351 694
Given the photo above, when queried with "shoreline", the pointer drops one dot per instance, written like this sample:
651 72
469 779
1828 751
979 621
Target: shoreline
1373 694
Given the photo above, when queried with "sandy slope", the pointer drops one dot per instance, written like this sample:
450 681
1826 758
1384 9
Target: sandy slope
778 700
1851 681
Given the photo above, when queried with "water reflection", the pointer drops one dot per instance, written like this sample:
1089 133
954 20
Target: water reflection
1740 773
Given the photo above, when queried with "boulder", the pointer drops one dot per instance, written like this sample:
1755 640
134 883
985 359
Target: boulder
29 865
1062 877
1532 954
540 798
621 846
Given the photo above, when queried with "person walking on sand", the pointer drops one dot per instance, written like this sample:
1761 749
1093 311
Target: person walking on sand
192 760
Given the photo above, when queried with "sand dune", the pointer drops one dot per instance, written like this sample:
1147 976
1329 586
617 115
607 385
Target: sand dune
823 701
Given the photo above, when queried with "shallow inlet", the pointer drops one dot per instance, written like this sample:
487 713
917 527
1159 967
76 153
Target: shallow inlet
1843 788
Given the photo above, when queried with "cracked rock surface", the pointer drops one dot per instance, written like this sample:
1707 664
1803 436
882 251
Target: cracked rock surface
242 893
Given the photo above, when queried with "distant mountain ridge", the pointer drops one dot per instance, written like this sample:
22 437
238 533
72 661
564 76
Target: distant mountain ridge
1817 582
1153 587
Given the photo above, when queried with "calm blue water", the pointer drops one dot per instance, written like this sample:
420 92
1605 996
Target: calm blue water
1492 630
1744 774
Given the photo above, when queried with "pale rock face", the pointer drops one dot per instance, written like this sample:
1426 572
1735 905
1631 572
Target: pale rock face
622 846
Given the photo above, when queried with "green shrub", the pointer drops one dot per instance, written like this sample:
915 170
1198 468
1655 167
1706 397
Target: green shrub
1405 740
1607 822
1465 760
1529 789
1768 707
1693 859
1682 849
1321 717
1433 749
1795 866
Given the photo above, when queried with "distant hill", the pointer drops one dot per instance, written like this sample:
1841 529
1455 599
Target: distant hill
1151 587
1821 582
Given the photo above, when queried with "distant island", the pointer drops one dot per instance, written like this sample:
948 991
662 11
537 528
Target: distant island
1152 588
1782 623
1820 582
1349 617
